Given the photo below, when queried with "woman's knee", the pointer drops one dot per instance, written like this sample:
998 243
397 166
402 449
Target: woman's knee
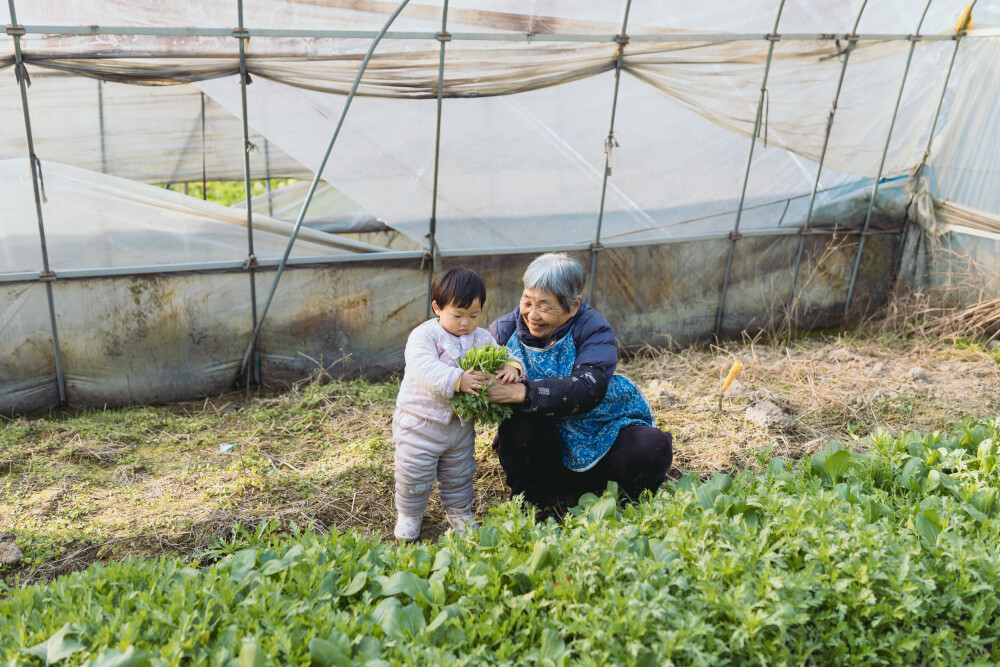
643 458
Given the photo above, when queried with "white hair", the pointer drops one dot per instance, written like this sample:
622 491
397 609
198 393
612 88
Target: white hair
558 273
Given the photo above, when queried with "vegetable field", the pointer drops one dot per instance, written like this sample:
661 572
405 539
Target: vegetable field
887 557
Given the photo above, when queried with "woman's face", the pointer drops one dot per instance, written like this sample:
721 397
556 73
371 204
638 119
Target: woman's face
542 313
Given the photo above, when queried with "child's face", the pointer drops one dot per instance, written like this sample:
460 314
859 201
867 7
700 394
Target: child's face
458 321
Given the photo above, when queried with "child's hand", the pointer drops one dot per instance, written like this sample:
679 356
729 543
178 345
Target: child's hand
473 380
508 374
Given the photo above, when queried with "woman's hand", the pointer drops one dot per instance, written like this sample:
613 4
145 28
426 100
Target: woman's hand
506 393
472 380
508 374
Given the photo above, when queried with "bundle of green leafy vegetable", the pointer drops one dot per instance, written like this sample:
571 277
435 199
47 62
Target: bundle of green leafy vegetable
488 359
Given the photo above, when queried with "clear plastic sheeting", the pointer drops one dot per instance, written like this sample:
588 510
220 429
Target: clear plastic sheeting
692 151
330 210
143 133
964 164
95 221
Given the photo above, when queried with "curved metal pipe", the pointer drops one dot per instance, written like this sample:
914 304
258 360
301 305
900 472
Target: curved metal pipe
822 157
596 246
312 187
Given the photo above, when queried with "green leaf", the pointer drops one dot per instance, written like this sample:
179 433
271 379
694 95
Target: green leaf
912 473
975 513
411 620
438 621
251 655
57 647
837 464
324 653
602 509
933 481
489 537
541 557
241 563
356 584
442 560
115 658
687 482
776 467
929 526
553 648
708 492
984 500
387 616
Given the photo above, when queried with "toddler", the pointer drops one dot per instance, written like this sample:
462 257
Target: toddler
431 441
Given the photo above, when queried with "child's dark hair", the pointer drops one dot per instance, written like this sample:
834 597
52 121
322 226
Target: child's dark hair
459 288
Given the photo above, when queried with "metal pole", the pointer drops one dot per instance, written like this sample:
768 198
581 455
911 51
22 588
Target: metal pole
735 235
267 176
204 169
881 165
47 275
100 111
655 38
851 41
312 186
444 38
930 136
251 262
609 144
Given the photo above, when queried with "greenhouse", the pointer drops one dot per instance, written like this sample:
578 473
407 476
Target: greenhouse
719 168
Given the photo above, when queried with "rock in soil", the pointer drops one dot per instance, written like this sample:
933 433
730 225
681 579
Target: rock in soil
768 415
9 553
918 374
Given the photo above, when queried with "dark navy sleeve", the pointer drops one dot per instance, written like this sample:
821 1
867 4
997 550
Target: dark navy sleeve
561 396
596 346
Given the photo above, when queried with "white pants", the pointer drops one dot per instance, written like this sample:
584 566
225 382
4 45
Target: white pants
426 450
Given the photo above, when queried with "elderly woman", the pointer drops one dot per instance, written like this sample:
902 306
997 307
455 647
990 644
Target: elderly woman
576 425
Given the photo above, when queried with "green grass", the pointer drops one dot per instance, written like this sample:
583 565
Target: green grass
882 557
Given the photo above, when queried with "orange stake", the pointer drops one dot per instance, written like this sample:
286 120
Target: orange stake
737 367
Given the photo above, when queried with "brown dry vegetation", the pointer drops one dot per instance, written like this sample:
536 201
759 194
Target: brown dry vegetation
81 487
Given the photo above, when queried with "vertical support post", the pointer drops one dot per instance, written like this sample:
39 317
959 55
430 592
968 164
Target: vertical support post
21 74
734 236
204 169
315 181
914 38
100 114
443 37
930 136
852 41
267 176
251 263
609 144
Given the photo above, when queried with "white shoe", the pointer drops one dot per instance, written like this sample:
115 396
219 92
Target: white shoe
408 528
461 519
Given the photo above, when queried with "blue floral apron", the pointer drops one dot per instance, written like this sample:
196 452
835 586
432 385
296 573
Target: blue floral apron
589 435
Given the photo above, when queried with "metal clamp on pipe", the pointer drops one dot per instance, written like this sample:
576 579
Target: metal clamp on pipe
735 236
250 263
621 39
241 33
915 38
443 37
596 247
47 276
15 30
773 37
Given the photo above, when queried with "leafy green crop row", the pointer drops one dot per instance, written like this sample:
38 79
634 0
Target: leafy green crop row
887 557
